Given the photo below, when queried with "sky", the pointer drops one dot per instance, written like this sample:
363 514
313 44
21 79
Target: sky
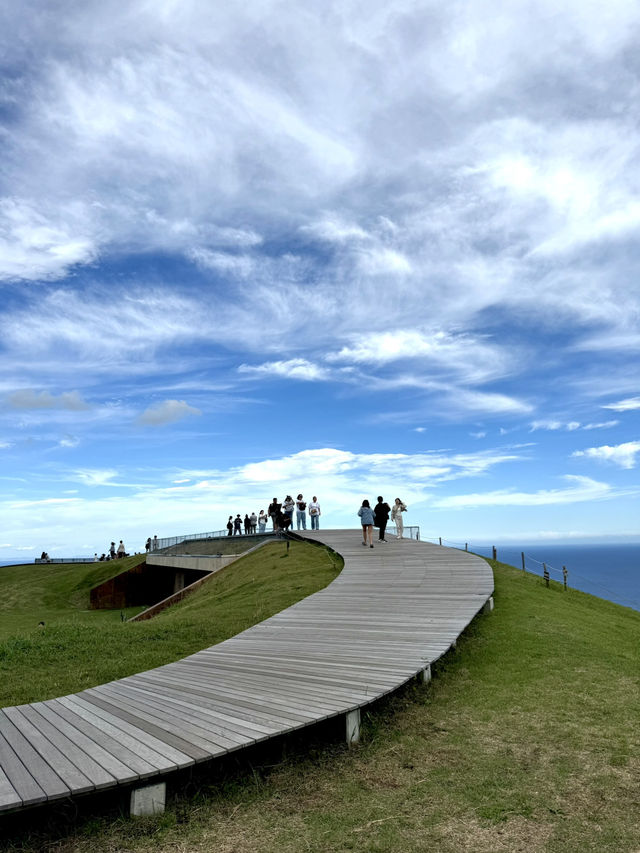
382 248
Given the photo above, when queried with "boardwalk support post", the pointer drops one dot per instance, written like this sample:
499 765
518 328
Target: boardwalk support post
149 800
353 726
488 605
426 674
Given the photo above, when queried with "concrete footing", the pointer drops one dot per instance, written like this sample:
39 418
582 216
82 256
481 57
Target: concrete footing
149 800
488 605
353 726
426 674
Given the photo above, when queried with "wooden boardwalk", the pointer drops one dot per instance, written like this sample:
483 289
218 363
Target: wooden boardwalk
391 612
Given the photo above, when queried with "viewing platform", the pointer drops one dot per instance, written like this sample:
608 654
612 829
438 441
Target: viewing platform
386 618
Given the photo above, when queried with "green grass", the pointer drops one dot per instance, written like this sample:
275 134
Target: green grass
526 740
54 591
79 648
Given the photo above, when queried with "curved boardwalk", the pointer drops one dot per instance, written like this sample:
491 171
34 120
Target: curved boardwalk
392 611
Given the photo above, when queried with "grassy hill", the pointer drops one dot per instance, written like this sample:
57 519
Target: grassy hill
79 648
526 740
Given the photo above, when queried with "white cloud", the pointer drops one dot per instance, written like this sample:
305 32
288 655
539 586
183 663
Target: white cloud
383 261
333 230
623 454
37 244
601 425
628 405
470 357
581 489
553 426
69 441
293 368
96 476
224 262
167 412
30 399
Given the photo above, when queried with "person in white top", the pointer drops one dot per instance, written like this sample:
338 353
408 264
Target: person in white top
314 513
396 516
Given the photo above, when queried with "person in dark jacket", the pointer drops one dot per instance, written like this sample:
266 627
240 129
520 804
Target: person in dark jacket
381 517
237 525
230 526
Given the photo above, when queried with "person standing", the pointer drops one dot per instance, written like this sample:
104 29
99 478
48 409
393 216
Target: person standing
288 507
237 525
262 521
230 526
274 509
381 517
366 519
314 513
396 516
121 550
247 524
147 544
253 521
112 550
301 513
155 543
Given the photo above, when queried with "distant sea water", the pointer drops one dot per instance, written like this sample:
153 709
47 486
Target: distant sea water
608 571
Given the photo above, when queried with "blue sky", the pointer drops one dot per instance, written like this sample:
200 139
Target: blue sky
377 248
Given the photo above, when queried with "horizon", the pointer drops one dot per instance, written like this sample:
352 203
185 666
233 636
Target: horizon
500 542
245 248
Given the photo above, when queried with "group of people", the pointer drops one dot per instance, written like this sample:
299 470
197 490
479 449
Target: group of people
281 516
379 517
112 554
151 544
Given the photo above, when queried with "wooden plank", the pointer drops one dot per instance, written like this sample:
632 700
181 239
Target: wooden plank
89 768
65 769
137 767
9 798
189 747
29 767
115 768
135 739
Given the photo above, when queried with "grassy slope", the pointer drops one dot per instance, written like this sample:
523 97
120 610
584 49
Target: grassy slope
527 740
54 591
69 653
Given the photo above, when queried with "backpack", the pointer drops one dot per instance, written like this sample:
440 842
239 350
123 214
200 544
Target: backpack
302 506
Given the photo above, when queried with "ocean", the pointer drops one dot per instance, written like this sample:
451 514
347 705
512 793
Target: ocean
608 571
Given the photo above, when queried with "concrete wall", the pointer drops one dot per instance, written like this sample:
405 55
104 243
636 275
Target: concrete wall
203 564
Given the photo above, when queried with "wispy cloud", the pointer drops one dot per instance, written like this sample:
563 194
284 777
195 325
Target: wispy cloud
167 412
623 455
553 426
630 404
293 368
30 399
580 489
95 476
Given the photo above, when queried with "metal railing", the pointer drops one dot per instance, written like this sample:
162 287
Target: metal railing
410 532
